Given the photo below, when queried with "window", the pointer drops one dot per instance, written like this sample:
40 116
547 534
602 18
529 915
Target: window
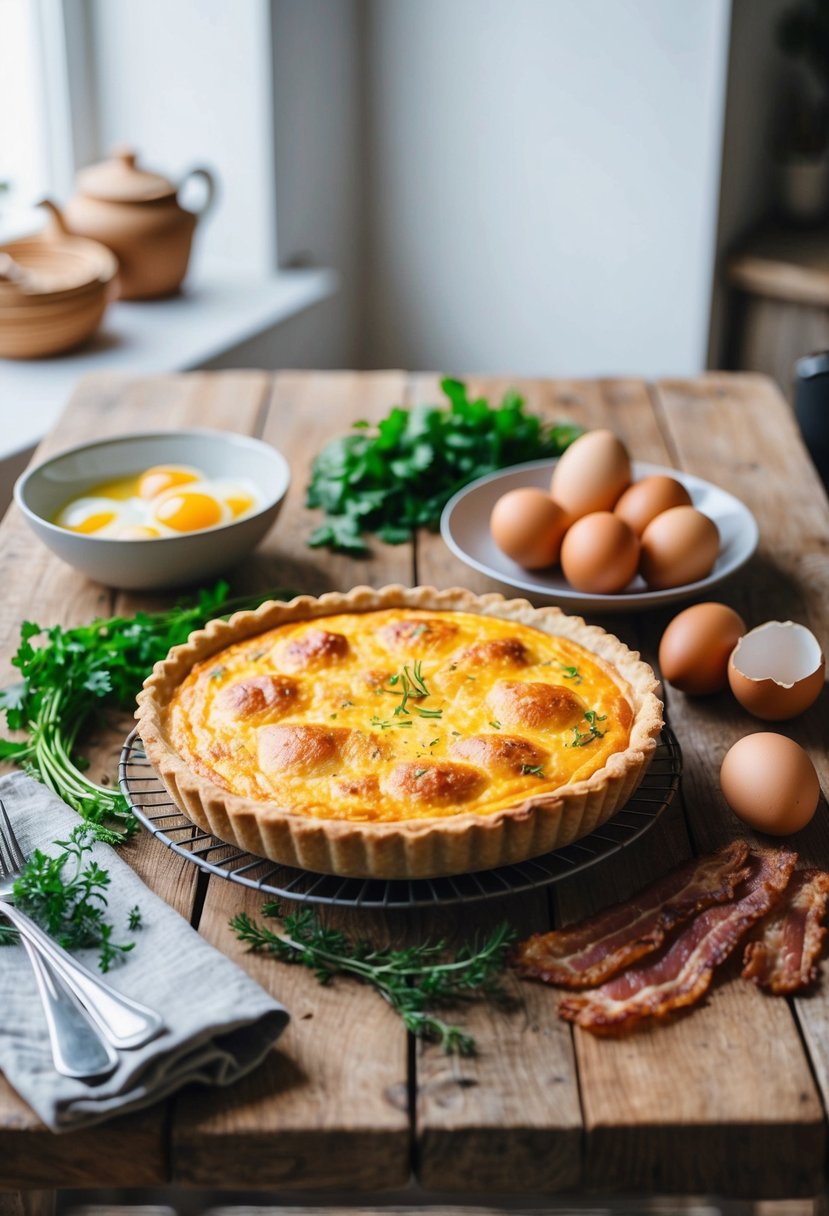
24 154
78 77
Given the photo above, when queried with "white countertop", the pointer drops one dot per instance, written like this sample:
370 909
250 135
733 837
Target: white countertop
217 310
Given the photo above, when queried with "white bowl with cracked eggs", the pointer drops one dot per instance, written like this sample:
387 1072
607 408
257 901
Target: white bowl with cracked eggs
123 558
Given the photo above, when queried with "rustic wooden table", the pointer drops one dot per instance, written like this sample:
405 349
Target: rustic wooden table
727 1100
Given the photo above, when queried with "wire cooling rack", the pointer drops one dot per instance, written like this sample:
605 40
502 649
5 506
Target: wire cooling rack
154 807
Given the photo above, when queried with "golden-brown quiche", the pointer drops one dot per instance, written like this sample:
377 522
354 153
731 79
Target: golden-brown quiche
400 733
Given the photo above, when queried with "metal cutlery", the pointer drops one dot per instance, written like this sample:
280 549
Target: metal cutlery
124 1022
78 1046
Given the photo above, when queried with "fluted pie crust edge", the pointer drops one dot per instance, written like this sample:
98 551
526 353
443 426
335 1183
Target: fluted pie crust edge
416 848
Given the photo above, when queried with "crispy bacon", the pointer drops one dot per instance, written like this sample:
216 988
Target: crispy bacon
682 973
782 955
587 954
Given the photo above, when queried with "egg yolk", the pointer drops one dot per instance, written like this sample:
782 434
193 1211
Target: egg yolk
239 503
188 511
161 478
92 523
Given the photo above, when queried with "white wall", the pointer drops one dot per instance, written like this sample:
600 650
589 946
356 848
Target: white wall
543 177
270 94
188 82
318 99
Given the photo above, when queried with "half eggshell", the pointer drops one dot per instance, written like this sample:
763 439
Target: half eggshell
776 671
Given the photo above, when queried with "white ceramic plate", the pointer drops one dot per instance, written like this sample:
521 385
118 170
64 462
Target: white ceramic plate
464 526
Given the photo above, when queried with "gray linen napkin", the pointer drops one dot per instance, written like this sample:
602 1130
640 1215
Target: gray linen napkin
220 1023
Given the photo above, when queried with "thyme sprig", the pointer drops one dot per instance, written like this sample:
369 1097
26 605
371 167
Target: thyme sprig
415 980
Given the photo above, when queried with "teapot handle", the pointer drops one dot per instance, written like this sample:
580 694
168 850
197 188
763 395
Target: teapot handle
210 183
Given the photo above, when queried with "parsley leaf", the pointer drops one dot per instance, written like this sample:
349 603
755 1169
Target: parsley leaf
72 674
399 475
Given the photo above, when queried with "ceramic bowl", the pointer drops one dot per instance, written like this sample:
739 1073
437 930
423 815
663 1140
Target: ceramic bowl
164 561
54 289
38 329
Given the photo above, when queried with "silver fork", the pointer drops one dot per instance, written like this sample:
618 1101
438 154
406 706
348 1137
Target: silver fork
125 1023
78 1048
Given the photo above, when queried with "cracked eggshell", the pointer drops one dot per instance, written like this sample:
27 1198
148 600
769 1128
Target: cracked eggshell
776 671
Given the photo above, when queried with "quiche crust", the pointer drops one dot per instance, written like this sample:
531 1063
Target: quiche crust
417 847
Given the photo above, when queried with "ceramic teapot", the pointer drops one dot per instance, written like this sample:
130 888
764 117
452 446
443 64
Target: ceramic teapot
137 215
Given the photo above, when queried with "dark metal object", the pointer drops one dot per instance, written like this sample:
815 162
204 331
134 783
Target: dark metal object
811 407
152 804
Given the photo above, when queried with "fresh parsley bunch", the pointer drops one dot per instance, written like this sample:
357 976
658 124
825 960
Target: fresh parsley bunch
415 980
400 475
73 674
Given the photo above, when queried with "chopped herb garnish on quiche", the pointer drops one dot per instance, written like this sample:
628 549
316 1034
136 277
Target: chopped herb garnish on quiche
582 738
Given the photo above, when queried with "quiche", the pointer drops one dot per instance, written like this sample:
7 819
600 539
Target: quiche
400 733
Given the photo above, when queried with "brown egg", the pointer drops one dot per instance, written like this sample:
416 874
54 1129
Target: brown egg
528 526
770 783
646 499
679 546
776 671
591 474
695 647
599 554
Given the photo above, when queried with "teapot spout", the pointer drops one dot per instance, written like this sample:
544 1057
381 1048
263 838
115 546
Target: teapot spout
56 225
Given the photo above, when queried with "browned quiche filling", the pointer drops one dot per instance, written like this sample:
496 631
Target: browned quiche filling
399 714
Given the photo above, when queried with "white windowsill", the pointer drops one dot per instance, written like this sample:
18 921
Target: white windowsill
217 310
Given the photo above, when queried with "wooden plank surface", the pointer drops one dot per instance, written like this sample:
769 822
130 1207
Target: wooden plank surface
512 1111
722 1100
643 1095
36 585
330 1107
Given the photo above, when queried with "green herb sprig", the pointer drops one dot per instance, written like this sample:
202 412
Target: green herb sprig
407 684
415 981
73 674
400 475
582 738
66 895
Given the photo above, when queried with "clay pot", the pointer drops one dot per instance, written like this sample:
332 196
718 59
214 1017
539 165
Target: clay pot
137 215
54 289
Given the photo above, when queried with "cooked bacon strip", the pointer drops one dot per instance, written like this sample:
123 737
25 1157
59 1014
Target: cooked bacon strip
587 954
682 973
782 957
